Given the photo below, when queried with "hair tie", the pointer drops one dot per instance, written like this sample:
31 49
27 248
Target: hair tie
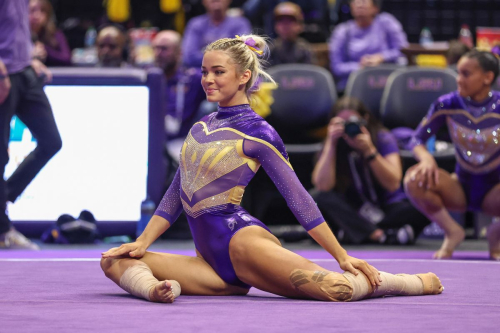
250 42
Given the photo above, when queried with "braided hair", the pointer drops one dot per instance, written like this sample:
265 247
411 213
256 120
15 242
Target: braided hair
247 52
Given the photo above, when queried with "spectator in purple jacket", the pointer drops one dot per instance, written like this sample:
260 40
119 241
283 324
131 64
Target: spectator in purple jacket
370 39
204 29
50 45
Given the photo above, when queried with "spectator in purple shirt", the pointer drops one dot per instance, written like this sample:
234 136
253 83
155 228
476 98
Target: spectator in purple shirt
184 93
50 45
370 39
21 94
358 179
204 29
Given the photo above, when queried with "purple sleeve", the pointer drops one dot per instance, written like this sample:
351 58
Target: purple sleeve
170 206
274 160
396 37
61 54
340 64
387 143
429 126
191 44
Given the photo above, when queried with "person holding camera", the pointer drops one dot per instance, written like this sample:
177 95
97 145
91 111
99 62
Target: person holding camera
357 180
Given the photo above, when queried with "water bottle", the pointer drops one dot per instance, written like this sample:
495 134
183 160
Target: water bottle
90 37
465 36
431 144
426 37
148 208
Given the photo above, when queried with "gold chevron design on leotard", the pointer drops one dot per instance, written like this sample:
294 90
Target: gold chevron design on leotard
218 158
248 137
203 163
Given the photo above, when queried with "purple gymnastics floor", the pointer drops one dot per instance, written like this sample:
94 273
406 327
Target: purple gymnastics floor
65 291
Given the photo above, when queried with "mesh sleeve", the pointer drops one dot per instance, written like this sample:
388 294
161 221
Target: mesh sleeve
170 206
280 171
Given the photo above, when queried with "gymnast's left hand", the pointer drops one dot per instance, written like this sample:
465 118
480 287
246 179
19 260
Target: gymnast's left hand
132 250
351 264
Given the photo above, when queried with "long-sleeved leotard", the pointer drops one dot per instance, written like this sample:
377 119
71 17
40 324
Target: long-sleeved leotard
220 156
475 131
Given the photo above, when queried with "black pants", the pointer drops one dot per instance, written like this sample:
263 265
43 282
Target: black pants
28 102
341 214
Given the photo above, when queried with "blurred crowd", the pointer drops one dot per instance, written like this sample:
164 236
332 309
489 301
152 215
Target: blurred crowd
172 34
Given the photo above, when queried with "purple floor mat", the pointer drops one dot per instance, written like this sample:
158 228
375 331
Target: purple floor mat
74 296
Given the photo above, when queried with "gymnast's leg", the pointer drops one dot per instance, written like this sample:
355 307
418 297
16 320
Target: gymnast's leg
491 206
435 202
158 277
259 260
395 285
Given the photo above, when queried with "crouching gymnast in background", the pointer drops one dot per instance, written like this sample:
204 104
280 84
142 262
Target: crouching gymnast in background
235 251
472 114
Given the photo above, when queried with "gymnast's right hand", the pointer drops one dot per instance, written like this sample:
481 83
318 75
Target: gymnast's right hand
127 250
425 173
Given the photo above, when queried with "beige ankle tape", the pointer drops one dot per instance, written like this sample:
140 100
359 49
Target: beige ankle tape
400 284
138 280
322 285
360 285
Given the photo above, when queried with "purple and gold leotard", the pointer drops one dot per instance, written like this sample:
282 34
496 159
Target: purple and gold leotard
220 156
475 130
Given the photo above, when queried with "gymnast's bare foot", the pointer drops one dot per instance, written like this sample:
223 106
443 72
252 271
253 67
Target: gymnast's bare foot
451 241
163 292
494 241
432 284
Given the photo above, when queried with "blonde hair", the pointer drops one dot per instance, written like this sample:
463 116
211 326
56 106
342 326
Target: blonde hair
246 57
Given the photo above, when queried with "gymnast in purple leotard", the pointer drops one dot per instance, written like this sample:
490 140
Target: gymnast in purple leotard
220 156
235 251
472 115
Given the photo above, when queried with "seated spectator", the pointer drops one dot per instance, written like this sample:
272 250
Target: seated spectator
315 15
50 45
370 39
213 25
110 44
289 47
184 92
472 116
358 180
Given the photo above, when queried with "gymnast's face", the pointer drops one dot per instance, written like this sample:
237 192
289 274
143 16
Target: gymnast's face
472 80
221 79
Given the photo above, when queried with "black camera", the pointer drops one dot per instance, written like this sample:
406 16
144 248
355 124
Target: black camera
352 126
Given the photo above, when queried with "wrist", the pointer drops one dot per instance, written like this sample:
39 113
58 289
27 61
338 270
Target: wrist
342 256
369 152
140 240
